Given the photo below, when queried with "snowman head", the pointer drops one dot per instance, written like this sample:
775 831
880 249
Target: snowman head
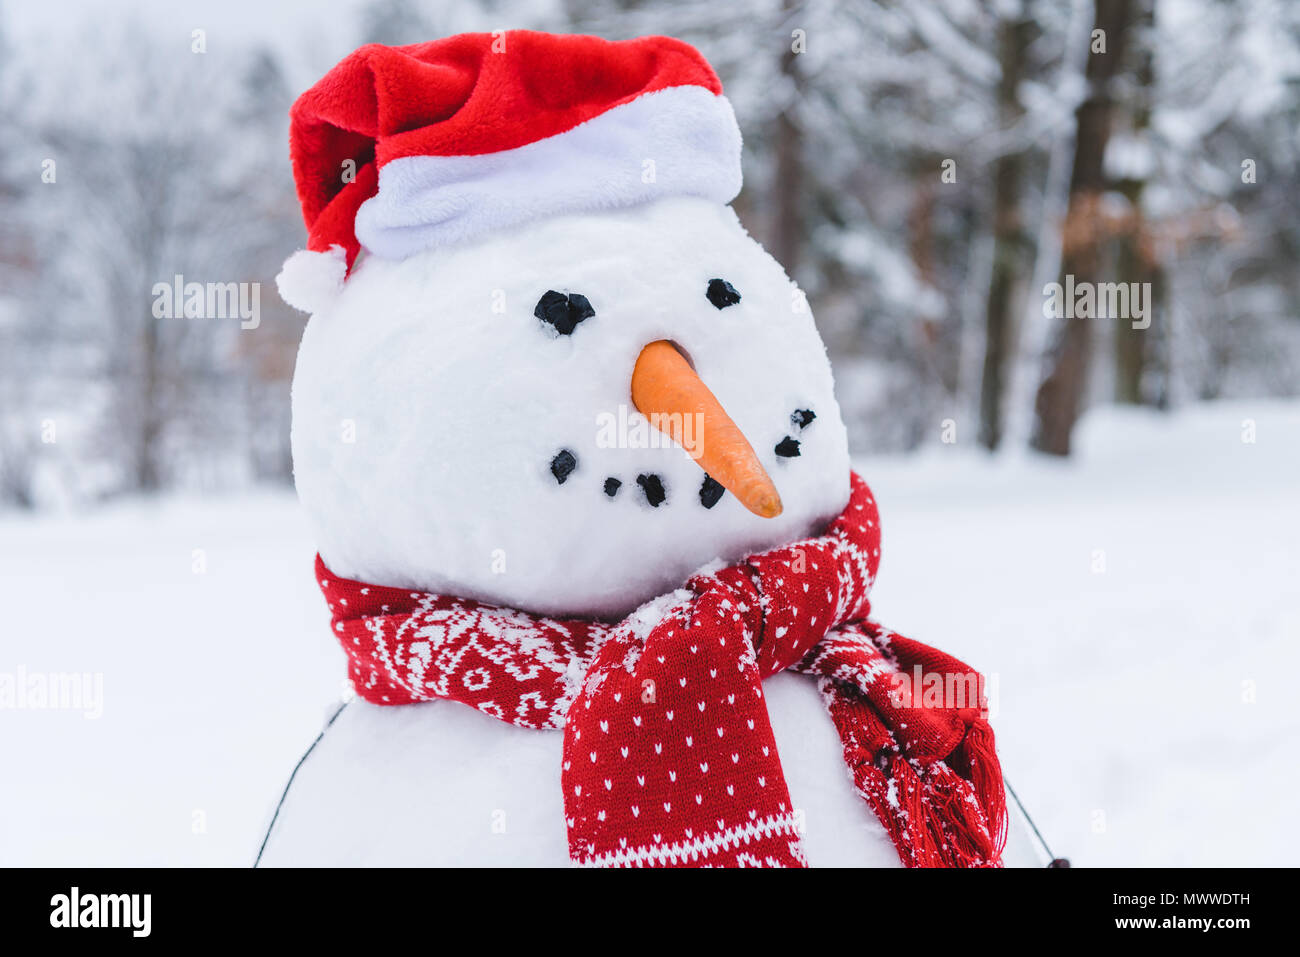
562 377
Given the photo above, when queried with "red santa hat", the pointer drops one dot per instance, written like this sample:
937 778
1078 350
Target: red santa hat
400 149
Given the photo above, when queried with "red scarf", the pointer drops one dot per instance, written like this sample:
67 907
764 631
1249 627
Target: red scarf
669 758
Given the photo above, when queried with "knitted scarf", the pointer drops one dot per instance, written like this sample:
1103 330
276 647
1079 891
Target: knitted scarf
669 758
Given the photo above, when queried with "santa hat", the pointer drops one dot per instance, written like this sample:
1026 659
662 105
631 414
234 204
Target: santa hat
400 149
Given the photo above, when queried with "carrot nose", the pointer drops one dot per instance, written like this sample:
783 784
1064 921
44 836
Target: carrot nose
666 390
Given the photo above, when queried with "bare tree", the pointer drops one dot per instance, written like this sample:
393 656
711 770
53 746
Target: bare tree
789 232
160 172
1138 254
1012 247
1060 396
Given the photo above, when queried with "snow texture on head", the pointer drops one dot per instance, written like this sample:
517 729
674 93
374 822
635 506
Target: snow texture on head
430 403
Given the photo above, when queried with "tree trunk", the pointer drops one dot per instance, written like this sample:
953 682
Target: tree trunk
1009 240
1060 396
787 199
147 473
1139 255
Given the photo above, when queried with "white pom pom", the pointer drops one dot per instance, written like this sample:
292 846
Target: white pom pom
310 281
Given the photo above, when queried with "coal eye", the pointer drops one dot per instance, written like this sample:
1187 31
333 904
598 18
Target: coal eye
563 312
722 293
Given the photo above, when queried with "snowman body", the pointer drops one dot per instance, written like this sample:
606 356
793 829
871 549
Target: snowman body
442 784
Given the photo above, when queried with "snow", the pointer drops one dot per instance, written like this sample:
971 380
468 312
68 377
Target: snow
421 464
212 679
1142 711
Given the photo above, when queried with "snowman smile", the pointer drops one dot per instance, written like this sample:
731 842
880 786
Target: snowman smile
674 400
668 392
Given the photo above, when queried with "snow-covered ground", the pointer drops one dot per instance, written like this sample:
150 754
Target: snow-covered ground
1141 611
1138 608
213 682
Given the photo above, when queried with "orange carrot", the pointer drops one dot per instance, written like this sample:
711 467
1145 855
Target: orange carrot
666 390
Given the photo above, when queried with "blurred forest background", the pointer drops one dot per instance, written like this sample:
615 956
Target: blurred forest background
923 169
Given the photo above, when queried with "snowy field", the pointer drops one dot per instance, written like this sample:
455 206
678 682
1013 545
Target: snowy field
1138 608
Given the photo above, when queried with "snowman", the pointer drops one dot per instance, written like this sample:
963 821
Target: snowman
587 528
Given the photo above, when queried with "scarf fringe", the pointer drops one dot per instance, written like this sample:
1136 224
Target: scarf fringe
986 775
933 815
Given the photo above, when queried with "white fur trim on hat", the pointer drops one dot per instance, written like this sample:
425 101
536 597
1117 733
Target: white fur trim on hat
680 141
310 281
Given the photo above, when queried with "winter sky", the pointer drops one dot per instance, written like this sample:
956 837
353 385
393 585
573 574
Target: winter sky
297 29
